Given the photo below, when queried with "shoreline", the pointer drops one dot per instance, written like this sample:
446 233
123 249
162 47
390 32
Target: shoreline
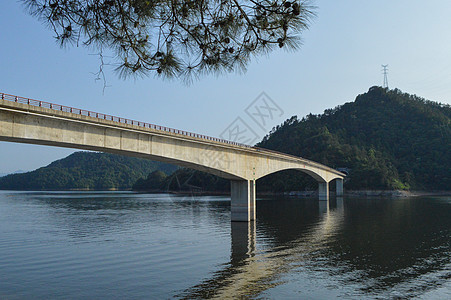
373 193
396 193
306 194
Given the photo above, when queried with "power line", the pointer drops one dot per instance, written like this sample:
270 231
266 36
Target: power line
385 70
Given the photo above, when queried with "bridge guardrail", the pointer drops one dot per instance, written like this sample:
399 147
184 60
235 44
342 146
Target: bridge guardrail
102 116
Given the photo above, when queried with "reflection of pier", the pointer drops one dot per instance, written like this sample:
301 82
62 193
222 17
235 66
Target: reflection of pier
243 241
251 272
331 205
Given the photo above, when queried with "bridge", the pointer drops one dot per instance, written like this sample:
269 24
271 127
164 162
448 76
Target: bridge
25 120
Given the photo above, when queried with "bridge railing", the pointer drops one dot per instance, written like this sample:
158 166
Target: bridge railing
102 116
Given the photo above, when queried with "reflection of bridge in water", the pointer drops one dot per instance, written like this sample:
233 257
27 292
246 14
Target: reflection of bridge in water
31 121
252 272
358 248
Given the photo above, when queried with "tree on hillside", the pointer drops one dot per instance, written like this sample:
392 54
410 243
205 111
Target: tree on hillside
153 181
177 38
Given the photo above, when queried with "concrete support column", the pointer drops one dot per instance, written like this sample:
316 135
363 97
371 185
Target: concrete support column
243 200
339 190
323 190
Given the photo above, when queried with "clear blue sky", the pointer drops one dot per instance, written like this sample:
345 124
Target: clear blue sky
341 58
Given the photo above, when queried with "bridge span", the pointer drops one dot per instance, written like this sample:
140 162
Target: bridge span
25 120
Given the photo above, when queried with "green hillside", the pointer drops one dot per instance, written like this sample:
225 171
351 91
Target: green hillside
388 140
182 180
85 170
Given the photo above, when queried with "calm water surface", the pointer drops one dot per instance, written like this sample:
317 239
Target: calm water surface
155 246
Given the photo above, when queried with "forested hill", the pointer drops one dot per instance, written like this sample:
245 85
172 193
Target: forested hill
85 170
389 140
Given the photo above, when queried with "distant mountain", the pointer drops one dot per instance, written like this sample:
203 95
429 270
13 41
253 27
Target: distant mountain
182 180
385 138
15 172
86 170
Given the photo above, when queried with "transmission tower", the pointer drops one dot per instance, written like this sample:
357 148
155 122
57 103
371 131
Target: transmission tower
385 70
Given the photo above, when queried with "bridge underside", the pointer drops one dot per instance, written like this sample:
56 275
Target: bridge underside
176 162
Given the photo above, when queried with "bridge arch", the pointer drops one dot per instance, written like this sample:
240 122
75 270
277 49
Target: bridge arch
309 172
323 182
199 165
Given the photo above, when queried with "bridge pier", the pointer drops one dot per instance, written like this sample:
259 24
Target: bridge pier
339 185
243 200
323 190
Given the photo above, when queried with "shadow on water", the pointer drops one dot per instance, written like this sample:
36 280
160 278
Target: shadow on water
383 247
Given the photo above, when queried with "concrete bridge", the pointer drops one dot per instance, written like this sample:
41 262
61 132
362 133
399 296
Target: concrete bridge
25 120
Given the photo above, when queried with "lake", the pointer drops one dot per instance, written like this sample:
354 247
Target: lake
123 245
